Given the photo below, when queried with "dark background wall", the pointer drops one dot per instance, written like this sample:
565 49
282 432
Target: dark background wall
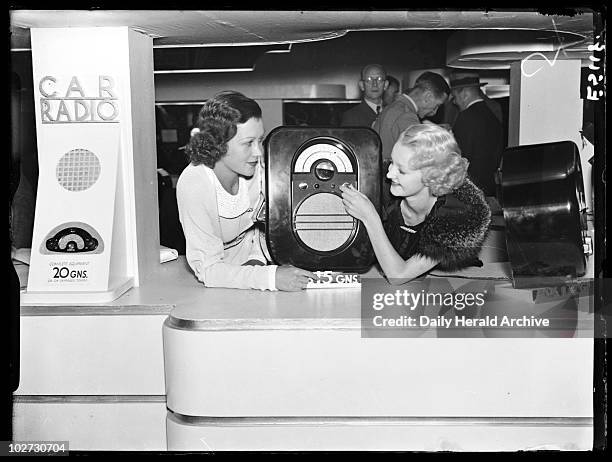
334 64
336 61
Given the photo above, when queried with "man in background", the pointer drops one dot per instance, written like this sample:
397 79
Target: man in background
423 100
392 90
373 83
451 112
477 130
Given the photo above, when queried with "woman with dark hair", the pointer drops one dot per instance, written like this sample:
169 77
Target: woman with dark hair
218 195
442 218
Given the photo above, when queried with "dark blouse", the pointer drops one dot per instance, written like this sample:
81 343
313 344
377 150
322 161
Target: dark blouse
452 233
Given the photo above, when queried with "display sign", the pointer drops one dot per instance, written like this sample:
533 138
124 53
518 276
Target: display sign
95 233
334 280
74 99
76 219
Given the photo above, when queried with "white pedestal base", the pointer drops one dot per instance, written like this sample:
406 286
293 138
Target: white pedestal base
378 434
116 289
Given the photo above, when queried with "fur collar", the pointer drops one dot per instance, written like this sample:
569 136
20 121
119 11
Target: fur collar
453 232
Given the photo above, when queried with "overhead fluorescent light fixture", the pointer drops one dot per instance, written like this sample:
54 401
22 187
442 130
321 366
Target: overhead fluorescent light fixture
198 60
204 71
498 49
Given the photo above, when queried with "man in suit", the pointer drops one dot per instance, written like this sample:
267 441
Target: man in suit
477 130
451 111
373 83
430 91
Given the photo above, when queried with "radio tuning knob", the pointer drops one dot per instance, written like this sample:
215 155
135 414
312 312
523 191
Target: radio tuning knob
303 186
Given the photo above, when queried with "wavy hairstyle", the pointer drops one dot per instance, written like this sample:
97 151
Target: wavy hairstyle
437 155
216 125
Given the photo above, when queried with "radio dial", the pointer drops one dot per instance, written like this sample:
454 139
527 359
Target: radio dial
324 170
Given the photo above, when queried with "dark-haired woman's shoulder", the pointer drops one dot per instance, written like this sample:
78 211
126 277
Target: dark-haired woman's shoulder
195 184
194 174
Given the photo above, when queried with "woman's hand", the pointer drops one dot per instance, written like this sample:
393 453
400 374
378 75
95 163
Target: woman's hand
357 204
291 279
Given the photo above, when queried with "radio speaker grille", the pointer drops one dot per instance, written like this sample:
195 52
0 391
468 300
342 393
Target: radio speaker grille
321 222
78 170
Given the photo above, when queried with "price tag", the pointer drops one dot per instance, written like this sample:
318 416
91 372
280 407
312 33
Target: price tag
563 291
334 280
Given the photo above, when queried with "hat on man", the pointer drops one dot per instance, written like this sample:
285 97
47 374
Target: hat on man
465 79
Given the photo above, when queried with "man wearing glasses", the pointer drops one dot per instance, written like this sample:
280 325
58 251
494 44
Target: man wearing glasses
373 84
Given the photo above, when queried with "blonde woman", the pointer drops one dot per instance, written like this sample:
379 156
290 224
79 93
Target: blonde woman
442 218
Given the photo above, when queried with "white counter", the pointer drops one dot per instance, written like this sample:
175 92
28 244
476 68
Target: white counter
242 369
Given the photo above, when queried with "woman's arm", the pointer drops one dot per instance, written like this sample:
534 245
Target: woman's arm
396 269
205 252
204 247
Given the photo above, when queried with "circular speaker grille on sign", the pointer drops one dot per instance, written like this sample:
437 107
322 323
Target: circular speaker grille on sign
78 170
